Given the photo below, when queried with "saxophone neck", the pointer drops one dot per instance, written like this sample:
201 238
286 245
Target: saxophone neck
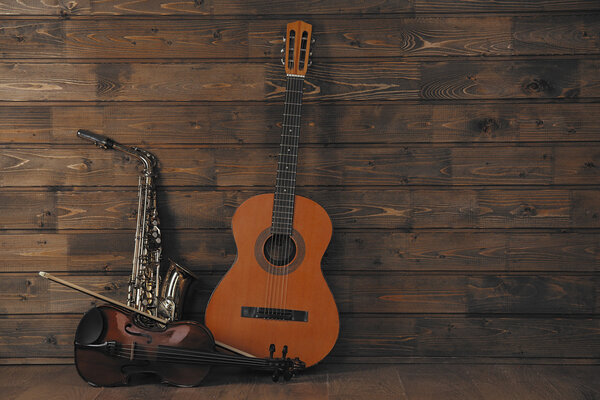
145 157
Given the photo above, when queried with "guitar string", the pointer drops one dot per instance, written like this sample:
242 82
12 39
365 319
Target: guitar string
277 199
297 111
287 142
293 145
270 277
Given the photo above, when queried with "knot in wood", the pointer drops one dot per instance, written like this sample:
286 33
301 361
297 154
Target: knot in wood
537 86
488 125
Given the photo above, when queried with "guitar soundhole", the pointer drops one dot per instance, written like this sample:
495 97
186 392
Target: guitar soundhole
279 250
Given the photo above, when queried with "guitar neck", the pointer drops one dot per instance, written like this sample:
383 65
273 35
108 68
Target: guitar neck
285 185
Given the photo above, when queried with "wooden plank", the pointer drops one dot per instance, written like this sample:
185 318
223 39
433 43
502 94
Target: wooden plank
155 125
214 251
212 8
457 382
413 336
207 8
383 292
348 208
374 80
469 6
336 381
365 37
320 166
577 166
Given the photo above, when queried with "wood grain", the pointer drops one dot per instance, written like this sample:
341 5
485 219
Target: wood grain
320 166
409 336
335 381
350 250
339 38
169 124
376 80
370 293
388 209
213 8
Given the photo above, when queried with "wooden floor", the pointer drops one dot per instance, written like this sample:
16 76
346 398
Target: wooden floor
366 381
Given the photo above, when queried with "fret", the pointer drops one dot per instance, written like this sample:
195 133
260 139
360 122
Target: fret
283 206
285 183
286 219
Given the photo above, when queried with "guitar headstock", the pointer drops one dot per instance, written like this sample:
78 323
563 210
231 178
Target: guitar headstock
297 51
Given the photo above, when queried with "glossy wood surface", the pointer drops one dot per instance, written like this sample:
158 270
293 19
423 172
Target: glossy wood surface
247 284
102 369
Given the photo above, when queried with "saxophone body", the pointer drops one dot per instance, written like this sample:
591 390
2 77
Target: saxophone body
149 290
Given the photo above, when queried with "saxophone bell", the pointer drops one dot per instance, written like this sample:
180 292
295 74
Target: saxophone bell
172 291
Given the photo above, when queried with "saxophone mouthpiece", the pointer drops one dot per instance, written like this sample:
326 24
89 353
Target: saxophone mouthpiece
98 140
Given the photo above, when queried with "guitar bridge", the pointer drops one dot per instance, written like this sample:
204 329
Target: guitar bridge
281 314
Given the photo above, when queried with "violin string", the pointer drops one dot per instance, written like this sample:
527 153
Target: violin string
200 357
189 355
195 360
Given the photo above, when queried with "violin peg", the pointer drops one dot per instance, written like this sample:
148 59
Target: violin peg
271 350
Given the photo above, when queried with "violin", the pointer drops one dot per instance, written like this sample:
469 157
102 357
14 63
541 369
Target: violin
113 346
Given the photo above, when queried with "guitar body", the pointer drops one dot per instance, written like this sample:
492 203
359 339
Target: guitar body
257 304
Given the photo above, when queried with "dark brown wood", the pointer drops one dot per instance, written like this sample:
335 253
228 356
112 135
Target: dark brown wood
320 166
374 336
332 381
348 208
372 80
168 124
365 37
454 144
213 8
350 250
374 293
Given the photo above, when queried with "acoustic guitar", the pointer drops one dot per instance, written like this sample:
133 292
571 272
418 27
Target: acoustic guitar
274 295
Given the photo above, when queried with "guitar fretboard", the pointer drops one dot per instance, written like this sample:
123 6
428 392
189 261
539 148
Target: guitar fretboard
285 185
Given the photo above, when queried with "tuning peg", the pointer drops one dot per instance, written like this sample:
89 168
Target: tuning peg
284 351
282 50
313 40
282 61
271 350
310 54
309 63
284 39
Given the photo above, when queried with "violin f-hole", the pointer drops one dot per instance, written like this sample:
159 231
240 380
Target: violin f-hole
147 336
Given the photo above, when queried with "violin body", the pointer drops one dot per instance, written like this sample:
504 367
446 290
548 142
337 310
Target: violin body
303 315
111 347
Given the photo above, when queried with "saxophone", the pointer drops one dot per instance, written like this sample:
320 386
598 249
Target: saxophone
149 292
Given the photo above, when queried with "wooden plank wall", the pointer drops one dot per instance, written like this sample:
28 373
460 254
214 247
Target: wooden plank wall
455 145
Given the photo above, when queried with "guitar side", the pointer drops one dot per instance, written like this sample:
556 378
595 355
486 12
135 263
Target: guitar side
299 287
